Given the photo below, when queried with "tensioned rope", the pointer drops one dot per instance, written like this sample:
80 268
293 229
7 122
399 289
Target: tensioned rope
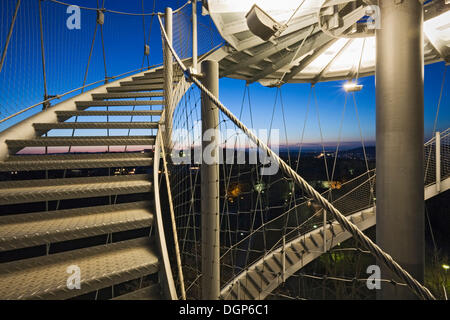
120 12
420 290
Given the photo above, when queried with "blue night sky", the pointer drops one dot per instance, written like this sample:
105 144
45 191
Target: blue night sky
67 54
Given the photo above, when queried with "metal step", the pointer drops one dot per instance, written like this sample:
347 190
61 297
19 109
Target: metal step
147 81
68 114
32 229
46 277
158 79
134 88
125 95
152 292
95 125
76 161
143 82
119 103
36 190
83 141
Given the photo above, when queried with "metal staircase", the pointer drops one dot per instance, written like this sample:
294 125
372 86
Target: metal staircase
82 199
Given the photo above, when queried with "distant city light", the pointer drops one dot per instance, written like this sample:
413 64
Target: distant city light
352 87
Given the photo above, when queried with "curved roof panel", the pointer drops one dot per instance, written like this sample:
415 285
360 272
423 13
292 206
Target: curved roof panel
305 51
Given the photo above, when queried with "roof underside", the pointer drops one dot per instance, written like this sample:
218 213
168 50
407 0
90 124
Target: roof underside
304 52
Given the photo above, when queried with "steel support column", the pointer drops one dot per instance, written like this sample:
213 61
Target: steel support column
168 80
399 140
210 228
194 34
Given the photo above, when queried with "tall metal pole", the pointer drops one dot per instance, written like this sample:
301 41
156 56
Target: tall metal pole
399 140
168 78
210 228
194 34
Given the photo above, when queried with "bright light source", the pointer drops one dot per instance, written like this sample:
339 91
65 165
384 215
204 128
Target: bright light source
352 87
445 266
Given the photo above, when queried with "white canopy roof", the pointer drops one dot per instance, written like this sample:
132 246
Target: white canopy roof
304 52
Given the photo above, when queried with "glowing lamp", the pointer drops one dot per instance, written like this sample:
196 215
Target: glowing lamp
352 87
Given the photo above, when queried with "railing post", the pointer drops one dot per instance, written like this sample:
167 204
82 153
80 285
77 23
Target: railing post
194 35
438 162
168 78
324 231
283 275
210 228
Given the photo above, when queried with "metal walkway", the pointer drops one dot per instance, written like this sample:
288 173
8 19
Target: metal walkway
265 275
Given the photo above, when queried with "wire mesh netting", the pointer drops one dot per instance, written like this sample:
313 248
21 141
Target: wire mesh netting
76 49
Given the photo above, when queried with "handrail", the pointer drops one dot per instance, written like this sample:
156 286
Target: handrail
172 212
168 284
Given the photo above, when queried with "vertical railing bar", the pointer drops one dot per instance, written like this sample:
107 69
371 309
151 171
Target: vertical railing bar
438 161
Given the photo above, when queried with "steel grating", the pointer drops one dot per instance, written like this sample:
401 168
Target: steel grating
100 266
67 114
26 191
134 88
83 141
95 125
26 230
125 95
119 103
75 161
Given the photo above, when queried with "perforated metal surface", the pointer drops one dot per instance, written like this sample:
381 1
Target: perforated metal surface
119 103
75 161
101 266
83 141
108 113
96 125
73 188
26 230
125 95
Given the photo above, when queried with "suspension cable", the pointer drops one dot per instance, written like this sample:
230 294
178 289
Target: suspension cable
8 38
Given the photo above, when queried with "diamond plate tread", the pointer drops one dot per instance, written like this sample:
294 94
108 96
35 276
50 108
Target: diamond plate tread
100 266
119 103
145 81
75 161
135 88
125 95
32 229
152 292
95 125
67 114
83 141
26 191
159 79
